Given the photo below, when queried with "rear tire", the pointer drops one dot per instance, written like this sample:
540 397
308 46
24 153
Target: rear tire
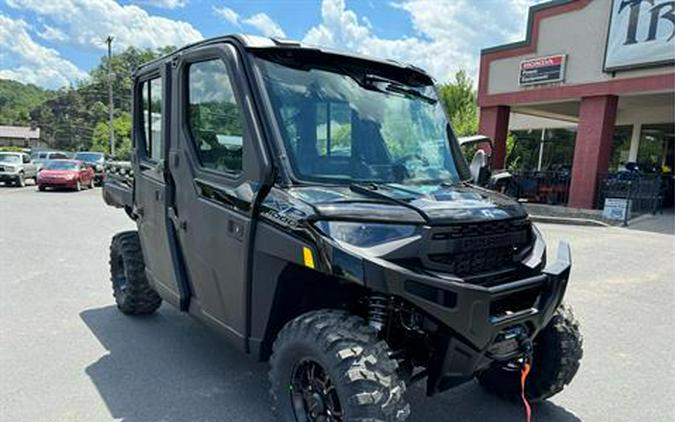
132 292
362 381
556 360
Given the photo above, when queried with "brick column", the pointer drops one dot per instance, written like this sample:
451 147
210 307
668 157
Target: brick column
494 122
592 149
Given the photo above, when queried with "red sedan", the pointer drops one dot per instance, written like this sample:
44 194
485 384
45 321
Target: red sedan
70 174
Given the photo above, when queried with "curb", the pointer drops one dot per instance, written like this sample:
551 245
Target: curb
569 221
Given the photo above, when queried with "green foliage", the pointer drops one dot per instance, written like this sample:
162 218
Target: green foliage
17 100
122 129
11 149
459 98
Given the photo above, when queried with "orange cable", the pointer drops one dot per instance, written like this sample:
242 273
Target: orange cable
524 372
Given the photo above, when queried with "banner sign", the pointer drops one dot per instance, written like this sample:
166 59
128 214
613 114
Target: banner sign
641 33
542 70
617 209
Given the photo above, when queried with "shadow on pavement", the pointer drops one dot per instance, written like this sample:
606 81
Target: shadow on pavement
168 367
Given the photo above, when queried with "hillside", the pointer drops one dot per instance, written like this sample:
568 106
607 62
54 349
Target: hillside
17 100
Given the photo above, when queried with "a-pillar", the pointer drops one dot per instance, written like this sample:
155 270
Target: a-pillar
494 122
597 116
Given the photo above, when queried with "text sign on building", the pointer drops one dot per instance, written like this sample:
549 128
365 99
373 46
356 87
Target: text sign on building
542 70
641 33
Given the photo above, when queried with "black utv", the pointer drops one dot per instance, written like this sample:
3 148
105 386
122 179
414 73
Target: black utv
314 207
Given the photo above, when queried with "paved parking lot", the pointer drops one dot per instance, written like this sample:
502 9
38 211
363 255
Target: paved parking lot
66 354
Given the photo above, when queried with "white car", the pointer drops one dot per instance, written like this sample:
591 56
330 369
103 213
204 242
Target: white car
16 167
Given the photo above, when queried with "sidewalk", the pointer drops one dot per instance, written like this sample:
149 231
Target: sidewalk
659 223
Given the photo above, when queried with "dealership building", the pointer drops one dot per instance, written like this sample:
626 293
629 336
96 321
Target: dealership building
596 77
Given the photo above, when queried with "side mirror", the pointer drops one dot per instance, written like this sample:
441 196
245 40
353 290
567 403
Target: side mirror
479 168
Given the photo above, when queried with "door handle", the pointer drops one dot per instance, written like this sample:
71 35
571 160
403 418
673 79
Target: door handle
177 222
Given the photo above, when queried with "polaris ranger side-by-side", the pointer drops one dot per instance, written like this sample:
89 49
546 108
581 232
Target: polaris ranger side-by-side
315 209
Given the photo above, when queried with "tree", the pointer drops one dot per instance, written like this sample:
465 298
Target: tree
122 127
17 100
459 98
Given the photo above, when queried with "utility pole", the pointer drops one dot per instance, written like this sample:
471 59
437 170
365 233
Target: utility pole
109 41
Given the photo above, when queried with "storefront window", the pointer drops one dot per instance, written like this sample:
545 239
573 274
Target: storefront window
557 150
655 153
620 147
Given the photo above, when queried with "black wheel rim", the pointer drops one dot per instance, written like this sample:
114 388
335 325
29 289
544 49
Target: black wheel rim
313 394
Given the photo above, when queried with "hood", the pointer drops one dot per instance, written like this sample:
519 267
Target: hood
429 204
47 172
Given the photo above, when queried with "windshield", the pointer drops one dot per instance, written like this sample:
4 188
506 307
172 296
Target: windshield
10 158
61 165
349 129
90 157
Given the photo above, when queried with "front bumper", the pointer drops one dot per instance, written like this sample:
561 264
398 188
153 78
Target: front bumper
57 183
477 322
8 177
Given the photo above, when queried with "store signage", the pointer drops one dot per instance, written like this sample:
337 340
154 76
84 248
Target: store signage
641 33
542 70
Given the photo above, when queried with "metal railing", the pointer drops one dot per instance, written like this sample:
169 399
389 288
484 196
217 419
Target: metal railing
543 187
645 192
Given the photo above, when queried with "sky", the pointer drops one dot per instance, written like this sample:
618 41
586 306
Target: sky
54 43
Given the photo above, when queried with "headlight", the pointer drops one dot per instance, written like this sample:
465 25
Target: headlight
9 169
364 235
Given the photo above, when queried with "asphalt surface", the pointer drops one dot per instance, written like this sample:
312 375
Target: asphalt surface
66 354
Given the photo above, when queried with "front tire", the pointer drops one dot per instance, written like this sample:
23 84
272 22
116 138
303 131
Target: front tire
132 292
556 360
329 365
21 181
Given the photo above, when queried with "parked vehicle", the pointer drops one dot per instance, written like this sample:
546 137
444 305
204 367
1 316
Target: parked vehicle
96 160
355 273
42 157
16 167
481 166
70 174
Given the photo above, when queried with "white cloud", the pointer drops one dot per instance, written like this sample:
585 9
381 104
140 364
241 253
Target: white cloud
27 61
228 14
266 25
85 23
50 33
261 21
448 33
163 4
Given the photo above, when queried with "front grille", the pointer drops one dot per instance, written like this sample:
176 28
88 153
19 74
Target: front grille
474 249
482 229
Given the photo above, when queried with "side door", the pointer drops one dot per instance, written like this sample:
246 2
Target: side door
29 168
220 162
152 194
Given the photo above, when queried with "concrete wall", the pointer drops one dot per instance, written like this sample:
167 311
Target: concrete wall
581 35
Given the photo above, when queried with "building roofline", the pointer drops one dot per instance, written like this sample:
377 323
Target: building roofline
530 24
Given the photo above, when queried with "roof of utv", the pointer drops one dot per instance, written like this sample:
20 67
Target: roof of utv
253 42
